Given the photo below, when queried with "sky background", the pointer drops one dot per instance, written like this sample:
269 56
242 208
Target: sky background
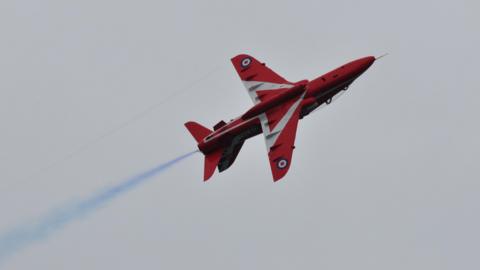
385 178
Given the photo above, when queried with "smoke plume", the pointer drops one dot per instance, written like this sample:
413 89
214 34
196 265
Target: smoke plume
24 235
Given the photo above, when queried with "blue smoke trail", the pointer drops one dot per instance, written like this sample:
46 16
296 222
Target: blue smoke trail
22 236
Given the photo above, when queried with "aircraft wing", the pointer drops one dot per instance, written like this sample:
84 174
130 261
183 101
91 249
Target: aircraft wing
279 124
260 81
279 127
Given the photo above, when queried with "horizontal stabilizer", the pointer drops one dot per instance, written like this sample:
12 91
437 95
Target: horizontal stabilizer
211 162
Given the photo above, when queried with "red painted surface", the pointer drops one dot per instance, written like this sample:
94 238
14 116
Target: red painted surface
273 104
339 75
255 70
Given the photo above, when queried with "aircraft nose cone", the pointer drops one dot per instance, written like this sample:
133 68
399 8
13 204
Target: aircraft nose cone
358 66
362 64
367 62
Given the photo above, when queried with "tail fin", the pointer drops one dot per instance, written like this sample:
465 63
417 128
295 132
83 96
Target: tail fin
198 131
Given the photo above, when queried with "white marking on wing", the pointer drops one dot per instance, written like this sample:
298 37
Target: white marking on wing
254 86
272 136
258 86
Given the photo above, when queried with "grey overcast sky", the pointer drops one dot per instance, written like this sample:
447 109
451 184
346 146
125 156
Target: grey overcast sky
387 177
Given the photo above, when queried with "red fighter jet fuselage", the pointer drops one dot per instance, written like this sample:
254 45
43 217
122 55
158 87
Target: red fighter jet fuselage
279 105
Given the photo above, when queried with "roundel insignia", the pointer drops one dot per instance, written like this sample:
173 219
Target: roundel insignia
282 163
246 62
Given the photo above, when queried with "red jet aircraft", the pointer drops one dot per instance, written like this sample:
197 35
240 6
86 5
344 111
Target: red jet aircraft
279 104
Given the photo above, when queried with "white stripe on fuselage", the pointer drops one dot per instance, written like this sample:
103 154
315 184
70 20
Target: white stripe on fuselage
227 130
270 141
